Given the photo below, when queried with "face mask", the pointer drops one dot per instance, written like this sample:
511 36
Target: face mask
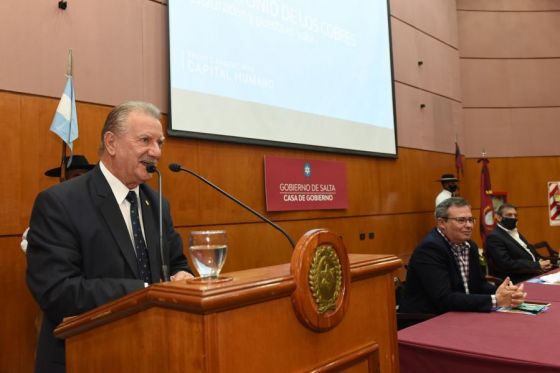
452 188
508 223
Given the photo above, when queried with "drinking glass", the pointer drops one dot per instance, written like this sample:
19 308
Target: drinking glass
208 251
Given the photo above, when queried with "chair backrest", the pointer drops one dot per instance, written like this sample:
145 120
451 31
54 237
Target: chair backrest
489 265
496 281
547 252
406 319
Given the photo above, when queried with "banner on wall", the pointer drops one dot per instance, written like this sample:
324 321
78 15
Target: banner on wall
303 184
554 203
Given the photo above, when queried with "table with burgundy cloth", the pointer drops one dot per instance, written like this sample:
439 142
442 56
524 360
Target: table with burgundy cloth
543 292
485 342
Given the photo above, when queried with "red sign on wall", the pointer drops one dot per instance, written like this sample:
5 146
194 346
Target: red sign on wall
303 184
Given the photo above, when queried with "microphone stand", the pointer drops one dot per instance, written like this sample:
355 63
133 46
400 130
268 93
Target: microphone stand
177 167
164 266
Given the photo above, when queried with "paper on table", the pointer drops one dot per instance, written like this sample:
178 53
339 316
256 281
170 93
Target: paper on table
551 279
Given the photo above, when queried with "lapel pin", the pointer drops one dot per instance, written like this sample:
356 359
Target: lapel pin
147 203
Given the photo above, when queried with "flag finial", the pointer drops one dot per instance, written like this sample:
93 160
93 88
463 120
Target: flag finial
69 65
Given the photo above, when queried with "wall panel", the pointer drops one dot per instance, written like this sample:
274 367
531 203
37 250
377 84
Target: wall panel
119 48
503 132
375 185
257 244
439 72
519 34
427 83
20 314
510 63
508 5
435 126
499 83
32 149
436 17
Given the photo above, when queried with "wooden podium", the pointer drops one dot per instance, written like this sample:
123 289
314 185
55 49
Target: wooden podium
252 323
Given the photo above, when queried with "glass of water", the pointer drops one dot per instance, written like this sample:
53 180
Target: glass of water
208 251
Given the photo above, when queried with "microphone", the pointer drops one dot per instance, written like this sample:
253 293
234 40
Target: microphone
175 167
151 168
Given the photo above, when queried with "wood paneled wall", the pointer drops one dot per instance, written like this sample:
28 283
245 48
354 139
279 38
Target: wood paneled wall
378 188
19 323
390 198
525 180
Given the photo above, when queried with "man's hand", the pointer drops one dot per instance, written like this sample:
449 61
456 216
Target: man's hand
509 295
545 264
181 275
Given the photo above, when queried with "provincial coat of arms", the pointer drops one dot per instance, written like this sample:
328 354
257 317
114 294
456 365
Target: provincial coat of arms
325 278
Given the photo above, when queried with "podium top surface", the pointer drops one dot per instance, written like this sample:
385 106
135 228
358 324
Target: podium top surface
204 297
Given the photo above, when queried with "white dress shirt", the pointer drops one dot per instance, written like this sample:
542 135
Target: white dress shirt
120 191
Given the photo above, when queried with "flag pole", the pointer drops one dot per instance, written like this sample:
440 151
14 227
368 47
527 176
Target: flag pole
458 159
63 164
65 121
457 168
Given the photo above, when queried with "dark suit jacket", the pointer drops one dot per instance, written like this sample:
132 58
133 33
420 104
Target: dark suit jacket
80 254
434 284
506 257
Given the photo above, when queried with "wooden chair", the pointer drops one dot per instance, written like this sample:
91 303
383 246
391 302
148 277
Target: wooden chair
547 252
496 281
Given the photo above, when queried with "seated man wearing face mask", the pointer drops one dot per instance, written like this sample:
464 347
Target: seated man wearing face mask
508 252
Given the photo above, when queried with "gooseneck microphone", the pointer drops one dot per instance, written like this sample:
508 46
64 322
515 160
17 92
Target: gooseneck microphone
151 168
175 167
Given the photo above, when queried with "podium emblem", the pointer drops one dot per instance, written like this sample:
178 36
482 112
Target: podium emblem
325 278
322 277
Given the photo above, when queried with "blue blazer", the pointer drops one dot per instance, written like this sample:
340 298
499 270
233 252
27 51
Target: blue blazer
434 283
80 254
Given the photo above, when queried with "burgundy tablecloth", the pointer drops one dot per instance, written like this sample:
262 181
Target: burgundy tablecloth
483 343
543 292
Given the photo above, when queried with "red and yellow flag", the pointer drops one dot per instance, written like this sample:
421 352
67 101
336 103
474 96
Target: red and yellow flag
486 206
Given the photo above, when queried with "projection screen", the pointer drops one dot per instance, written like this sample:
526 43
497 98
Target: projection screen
300 74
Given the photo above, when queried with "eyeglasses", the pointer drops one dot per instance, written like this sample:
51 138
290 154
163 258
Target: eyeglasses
463 220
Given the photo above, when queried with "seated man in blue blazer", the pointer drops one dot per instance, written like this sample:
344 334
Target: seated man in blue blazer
444 273
508 252
95 238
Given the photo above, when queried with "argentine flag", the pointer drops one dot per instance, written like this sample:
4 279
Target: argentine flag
65 122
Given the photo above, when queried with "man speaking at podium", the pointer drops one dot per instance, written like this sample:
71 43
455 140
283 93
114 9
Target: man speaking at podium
95 238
